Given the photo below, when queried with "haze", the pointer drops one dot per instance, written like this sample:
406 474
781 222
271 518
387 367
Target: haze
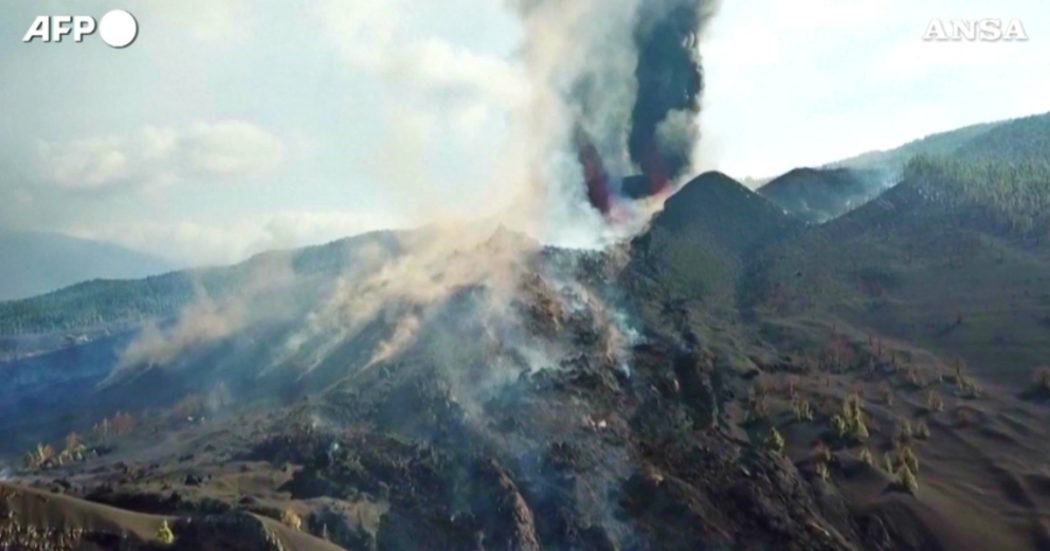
231 128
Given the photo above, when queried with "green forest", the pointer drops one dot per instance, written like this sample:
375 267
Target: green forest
1012 195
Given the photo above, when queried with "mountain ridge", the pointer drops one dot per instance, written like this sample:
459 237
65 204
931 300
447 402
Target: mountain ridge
41 262
732 376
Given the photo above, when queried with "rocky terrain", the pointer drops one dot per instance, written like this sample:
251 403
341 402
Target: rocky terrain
730 378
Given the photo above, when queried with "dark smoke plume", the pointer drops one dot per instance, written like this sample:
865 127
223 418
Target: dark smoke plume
594 174
670 80
623 79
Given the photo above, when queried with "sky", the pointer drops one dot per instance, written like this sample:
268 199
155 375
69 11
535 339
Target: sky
228 128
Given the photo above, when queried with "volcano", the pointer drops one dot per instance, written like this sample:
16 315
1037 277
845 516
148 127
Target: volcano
702 384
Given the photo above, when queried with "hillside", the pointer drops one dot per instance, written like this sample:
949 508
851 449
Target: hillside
91 305
817 195
954 258
943 280
1022 140
33 519
731 376
1009 140
515 416
699 246
36 263
942 143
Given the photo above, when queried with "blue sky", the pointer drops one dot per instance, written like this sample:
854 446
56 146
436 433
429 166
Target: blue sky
237 126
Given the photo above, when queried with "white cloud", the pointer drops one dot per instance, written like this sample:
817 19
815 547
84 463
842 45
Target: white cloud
156 156
229 149
444 102
432 72
91 163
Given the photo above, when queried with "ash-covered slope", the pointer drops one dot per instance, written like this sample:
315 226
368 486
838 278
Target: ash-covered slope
953 258
473 390
167 337
32 519
494 395
714 204
817 195
698 248
944 278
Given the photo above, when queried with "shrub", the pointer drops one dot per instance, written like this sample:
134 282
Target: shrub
922 431
934 402
968 388
72 442
775 441
838 424
902 433
40 457
822 472
802 410
859 430
902 456
44 452
102 430
914 377
164 534
906 457
851 407
888 464
865 456
853 419
123 423
291 519
907 480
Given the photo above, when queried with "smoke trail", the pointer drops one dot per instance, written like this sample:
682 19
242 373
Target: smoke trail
628 78
670 80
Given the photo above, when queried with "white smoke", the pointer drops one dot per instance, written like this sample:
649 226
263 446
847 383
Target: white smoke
436 262
581 58
679 130
577 69
202 322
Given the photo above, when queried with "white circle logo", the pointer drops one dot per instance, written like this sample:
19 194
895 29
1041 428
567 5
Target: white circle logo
118 28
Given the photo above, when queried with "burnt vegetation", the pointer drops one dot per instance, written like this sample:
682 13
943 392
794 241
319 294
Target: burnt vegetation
732 378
